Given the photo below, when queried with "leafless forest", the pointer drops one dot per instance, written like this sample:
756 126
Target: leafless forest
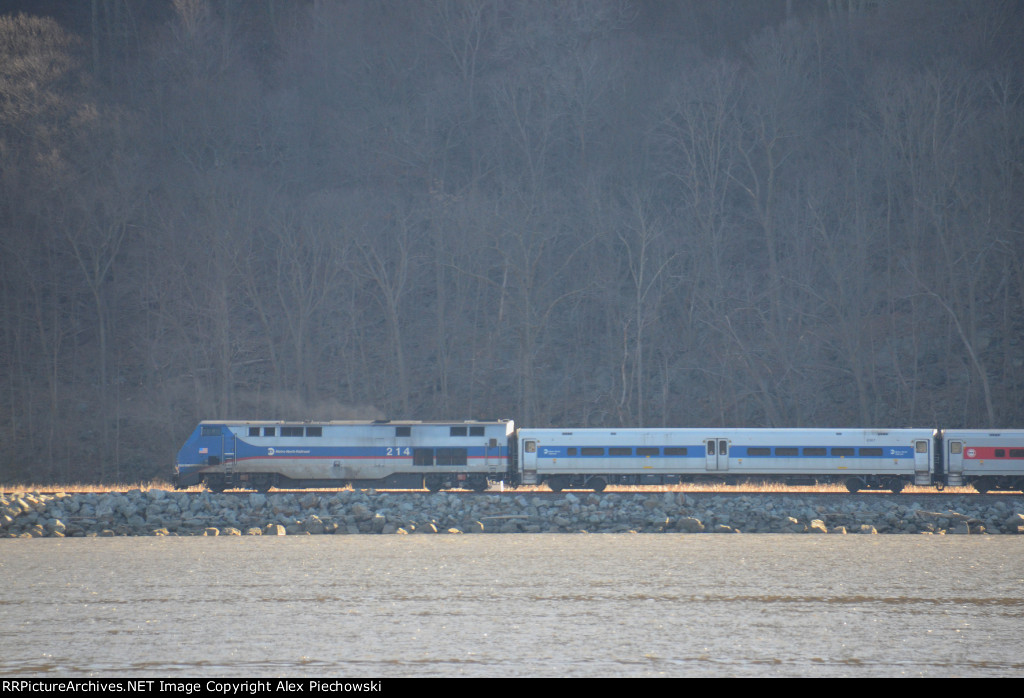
581 213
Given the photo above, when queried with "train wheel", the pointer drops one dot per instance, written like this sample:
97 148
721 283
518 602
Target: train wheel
896 485
597 484
433 483
556 484
215 484
980 485
853 485
480 485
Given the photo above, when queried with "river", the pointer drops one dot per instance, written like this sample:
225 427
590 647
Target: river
513 605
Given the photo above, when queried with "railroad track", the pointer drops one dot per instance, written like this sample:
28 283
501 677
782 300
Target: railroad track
730 491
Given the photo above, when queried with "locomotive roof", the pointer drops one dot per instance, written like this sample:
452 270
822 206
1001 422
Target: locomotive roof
350 422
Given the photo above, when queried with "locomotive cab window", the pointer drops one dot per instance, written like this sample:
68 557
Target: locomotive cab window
476 431
458 431
254 431
210 431
270 431
291 431
403 431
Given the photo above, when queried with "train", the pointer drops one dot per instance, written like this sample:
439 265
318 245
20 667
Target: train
473 455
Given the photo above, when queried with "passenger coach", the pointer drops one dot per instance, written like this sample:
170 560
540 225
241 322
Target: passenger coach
594 458
986 460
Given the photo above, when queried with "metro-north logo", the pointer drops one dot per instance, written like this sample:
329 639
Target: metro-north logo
270 451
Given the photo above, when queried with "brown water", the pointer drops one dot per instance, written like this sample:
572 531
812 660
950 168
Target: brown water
513 605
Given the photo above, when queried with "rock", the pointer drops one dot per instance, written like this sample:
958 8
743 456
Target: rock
690 524
313 525
159 512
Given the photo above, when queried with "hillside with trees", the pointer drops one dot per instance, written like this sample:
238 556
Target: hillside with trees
578 213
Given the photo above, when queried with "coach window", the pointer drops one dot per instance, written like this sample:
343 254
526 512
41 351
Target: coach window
675 450
619 451
571 451
590 451
1000 453
1017 453
641 451
814 451
872 451
759 451
842 451
787 451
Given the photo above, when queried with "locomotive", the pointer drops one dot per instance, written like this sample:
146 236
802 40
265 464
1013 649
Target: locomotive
383 454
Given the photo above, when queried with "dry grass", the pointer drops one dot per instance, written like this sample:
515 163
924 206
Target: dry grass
79 487
750 487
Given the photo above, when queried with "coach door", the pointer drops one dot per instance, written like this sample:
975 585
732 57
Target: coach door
528 454
955 462
717 451
922 462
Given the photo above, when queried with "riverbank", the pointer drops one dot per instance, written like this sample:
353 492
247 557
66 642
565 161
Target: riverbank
163 512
